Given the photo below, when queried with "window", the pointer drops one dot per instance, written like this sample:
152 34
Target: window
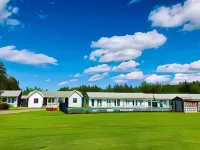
108 103
127 102
99 103
154 104
136 102
115 103
60 100
13 100
133 102
52 100
92 102
149 103
35 100
74 100
161 103
118 102
9 100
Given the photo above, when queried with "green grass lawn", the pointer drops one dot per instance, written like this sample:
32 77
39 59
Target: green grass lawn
18 108
117 131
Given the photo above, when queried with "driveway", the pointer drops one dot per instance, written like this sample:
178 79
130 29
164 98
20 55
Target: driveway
17 111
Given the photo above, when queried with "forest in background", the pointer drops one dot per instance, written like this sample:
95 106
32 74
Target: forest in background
185 87
8 82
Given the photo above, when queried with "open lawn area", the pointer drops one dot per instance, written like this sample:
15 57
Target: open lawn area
116 131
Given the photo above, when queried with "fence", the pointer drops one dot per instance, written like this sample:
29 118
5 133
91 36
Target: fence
110 110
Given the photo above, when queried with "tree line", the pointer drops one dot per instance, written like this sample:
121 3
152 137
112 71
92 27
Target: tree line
28 90
185 87
7 82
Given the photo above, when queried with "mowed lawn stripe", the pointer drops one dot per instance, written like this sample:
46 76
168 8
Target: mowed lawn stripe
55 130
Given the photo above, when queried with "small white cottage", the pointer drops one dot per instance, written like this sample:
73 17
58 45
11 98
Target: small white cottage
37 99
11 97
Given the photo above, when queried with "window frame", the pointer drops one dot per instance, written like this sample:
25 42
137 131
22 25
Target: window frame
118 102
13 100
92 102
36 102
75 100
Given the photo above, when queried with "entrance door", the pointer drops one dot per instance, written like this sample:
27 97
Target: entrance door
179 106
108 103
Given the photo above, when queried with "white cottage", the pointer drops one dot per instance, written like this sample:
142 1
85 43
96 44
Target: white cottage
37 99
11 97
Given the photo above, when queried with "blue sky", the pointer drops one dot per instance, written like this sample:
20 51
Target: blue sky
55 43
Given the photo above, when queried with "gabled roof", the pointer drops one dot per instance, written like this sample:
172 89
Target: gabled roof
57 94
13 93
78 92
36 91
111 95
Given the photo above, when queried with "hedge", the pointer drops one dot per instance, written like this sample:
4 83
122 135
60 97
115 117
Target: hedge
4 106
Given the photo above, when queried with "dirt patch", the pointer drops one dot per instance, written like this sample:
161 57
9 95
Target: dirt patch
17 111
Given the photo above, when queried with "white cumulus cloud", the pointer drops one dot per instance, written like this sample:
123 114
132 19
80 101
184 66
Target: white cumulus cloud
73 80
135 75
154 78
12 22
7 13
133 1
63 83
85 57
97 77
77 75
181 77
98 69
180 68
186 15
10 53
126 66
128 47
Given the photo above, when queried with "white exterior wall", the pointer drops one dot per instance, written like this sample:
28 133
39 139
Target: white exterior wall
31 101
122 103
104 103
79 100
15 101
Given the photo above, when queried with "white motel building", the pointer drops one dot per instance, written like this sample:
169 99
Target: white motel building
133 101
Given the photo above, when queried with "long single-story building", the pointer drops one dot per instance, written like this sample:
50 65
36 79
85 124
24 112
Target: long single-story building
142 101
132 101
11 97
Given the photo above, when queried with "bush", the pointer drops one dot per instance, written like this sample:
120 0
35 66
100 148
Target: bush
4 106
10 106
86 106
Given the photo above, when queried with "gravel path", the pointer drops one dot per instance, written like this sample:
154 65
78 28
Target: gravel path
17 111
